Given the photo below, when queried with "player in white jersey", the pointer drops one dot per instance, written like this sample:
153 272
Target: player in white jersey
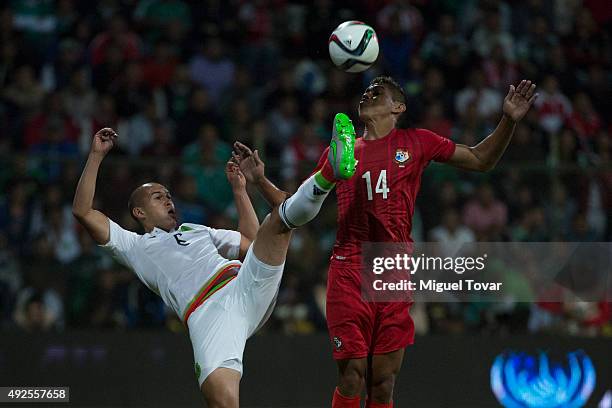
196 269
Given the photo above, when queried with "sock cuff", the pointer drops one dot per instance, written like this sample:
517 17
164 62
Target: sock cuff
340 401
371 404
283 215
322 182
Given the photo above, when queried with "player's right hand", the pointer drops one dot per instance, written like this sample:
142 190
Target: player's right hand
103 141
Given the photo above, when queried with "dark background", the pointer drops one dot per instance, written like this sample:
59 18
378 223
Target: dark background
280 371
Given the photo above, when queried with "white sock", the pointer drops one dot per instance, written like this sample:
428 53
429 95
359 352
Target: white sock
305 204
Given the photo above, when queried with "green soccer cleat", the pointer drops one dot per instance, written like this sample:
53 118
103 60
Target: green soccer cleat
341 154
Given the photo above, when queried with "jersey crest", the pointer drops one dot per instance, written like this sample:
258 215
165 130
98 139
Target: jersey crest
402 156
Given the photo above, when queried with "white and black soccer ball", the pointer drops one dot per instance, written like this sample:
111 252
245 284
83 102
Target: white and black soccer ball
353 46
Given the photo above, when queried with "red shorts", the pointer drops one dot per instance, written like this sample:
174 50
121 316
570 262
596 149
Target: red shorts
358 328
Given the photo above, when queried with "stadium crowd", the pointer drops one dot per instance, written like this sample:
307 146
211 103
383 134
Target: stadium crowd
180 81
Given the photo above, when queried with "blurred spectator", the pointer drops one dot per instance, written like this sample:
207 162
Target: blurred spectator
162 145
531 227
53 118
499 72
205 160
396 46
237 120
176 94
438 44
130 91
584 120
284 121
53 148
554 109
107 305
407 17
534 45
159 17
82 272
37 20
586 44
57 73
451 234
158 70
433 92
559 212
10 280
301 155
117 39
485 214
528 145
186 201
435 121
200 112
212 69
24 91
33 313
487 101
137 131
580 230
491 34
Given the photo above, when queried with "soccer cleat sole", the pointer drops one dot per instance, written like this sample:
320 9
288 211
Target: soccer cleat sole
342 147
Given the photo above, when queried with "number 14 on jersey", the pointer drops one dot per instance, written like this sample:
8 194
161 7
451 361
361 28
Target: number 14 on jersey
381 184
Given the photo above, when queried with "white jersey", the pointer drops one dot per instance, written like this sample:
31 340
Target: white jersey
176 264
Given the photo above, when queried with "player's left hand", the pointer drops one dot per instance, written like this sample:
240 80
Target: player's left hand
235 176
251 165
519 100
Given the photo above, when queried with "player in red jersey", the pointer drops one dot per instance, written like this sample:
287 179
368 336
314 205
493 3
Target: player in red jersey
376 199
376 205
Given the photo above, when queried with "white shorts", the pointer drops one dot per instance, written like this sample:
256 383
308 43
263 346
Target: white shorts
220 327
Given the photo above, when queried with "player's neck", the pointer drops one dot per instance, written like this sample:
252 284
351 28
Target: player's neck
377 128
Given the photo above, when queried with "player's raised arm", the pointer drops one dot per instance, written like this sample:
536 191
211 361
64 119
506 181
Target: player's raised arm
254 170
248 224
94 221
485 155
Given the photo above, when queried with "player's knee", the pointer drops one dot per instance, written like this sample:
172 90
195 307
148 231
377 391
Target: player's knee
351 381
222 397
381 388
220 391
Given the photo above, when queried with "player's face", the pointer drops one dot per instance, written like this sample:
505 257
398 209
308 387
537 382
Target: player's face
375 101
159 209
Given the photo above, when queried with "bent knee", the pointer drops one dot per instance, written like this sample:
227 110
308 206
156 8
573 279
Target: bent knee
222 397
351 381
381 387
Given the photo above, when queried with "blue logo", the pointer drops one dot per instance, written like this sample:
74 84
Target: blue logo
520 380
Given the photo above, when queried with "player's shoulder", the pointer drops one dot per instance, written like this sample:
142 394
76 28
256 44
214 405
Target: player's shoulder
189 227
419 132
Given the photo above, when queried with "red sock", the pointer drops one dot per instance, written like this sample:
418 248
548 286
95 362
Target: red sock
370 404
340 401
327 171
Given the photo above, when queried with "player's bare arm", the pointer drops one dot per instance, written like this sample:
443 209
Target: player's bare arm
248 224
253 169
95 222
485 155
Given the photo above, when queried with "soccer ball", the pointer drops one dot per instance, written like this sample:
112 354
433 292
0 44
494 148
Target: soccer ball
353 46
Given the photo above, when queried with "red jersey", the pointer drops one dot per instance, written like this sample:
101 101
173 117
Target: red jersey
377 203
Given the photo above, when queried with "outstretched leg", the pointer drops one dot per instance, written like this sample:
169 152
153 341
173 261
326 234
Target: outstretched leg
273 237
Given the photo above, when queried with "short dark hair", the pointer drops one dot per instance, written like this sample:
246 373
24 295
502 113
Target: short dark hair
137 199
397 92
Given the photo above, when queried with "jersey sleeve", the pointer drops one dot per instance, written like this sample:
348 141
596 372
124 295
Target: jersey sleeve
120 243
436 147
226 241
